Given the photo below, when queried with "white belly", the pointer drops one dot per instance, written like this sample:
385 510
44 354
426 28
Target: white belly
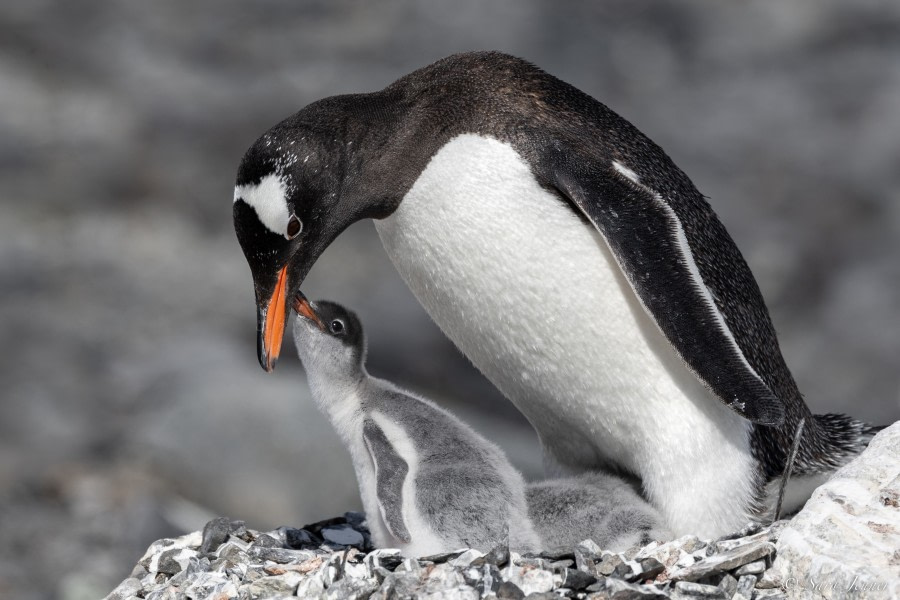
532 295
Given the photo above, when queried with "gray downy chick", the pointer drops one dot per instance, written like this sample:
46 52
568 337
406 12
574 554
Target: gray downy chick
428 482
600 506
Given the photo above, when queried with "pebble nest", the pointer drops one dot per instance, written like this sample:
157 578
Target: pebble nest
336 559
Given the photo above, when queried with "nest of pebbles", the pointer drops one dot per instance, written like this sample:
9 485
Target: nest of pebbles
335 559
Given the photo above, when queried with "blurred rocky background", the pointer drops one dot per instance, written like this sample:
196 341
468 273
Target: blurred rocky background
131 403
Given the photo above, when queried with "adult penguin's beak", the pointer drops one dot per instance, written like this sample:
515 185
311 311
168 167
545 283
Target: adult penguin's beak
271 319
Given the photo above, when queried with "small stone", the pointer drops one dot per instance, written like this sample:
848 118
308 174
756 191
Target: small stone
466 558
267 541
410 565
215 532
728 585
542 596
754 568
770 580
342 535
772 594
689 588
726 545
529 578
622 590
556 554
747 530
533 561
173 561
589 547
281 555
609 564
650 568
744 589
310 587
624 571
281 585
509 591
562 565
691 543
387 558
498 556
725 562
126 589
138 572
351 589
442 557
298 539
485 579
576 579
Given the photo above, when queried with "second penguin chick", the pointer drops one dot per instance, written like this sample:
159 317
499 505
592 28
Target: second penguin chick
601 506
428 482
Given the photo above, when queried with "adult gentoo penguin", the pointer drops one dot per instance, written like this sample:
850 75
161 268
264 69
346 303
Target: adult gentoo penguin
567 256
428 482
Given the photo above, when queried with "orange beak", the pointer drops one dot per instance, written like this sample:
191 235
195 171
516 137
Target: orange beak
304 309
275 316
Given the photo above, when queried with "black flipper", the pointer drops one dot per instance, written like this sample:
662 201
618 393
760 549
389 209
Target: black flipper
390 472
649 244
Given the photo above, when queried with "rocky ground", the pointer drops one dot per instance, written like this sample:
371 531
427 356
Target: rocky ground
131 404
843 544
334 560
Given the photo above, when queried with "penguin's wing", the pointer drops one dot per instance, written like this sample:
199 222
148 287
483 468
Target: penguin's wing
390 473
649 243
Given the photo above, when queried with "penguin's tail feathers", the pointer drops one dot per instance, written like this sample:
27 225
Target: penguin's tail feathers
840 438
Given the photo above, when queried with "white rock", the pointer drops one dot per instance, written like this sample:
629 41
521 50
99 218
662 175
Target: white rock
531 580
845 543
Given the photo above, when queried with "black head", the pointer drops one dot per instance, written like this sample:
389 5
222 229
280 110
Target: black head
287 209
329 337
339 323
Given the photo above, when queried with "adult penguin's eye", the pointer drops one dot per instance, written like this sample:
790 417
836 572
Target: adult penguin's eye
337 327
295 226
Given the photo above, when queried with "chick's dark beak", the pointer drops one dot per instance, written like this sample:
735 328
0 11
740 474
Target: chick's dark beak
304 309
271 320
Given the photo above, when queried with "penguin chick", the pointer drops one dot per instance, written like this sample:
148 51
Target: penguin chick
428 482
600 506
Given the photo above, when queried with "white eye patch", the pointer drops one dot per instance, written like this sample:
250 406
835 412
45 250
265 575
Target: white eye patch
269 199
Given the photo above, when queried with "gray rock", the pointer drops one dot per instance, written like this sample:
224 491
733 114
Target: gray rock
509 591
351 589
726 561
728 585
498 556
844 543
608 564
126 589
576 579
466 558
754 568
215 532
530 579
280 585
699 590
343 535
744 589
622 590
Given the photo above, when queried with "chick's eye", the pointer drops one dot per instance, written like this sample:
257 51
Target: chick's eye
294 227
337 327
